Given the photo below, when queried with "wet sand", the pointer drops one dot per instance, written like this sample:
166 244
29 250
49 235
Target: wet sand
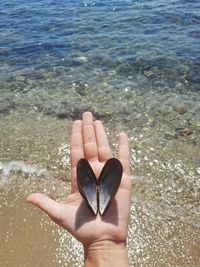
29 238
26 241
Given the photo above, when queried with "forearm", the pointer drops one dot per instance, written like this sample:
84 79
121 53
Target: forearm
106 255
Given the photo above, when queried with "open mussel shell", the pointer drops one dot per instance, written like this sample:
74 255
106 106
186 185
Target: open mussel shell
87 184
109 182
99 193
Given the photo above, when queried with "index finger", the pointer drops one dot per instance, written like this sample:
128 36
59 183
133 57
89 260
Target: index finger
76 151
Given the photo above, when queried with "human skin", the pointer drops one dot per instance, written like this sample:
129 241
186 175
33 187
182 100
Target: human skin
103 237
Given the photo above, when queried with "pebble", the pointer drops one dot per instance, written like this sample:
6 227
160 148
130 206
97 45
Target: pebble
170 135
148 73
196 123
185 131
181 108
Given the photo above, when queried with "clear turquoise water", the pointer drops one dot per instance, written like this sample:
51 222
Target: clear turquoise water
130 63
143 46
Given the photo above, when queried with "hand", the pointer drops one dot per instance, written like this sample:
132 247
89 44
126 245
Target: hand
89 141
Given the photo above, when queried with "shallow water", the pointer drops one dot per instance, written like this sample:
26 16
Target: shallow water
135 65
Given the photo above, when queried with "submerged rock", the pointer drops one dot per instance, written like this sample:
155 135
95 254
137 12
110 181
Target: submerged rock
180 108
148 73
170 135
185 131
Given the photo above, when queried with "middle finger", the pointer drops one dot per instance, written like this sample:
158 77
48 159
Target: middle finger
89 138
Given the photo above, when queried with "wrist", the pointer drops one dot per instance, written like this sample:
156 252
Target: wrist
106 253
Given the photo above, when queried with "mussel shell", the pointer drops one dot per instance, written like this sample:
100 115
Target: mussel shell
87 184
109 182
99 193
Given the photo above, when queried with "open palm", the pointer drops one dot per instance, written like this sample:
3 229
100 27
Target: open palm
89 141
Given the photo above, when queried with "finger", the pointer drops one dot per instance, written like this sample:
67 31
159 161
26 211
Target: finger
76 151
76 143
89 138
123 153
103 147
51 207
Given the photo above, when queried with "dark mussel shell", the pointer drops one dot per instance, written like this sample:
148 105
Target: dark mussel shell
87 184
99 193
109 182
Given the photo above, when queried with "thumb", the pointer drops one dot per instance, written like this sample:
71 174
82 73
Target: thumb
50 206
